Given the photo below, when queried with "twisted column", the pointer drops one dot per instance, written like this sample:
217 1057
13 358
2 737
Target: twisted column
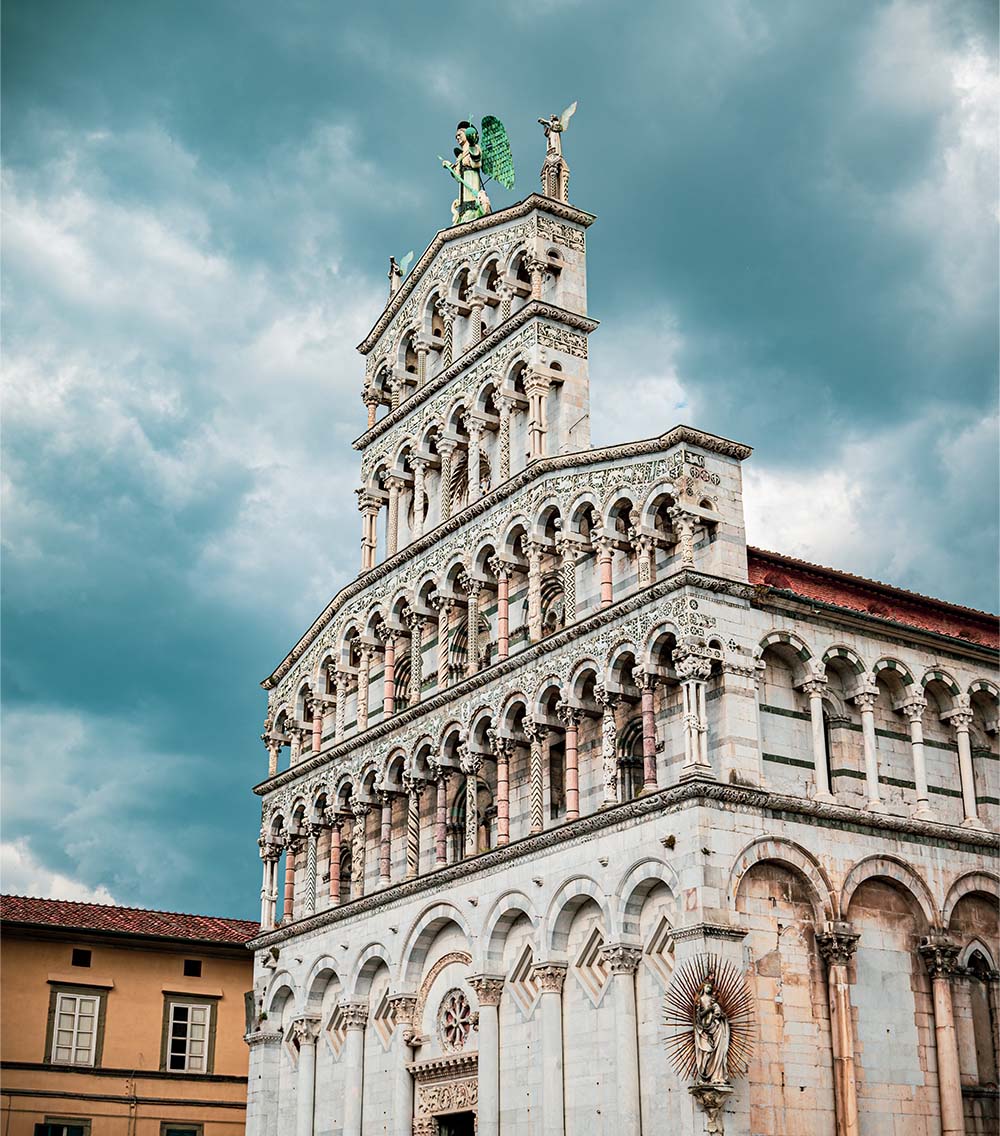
312 837
448 312
913 711
568 551
502 748
571 717
446 451
535 733
837 943
394 485
865 702
940 955
609 738
414 787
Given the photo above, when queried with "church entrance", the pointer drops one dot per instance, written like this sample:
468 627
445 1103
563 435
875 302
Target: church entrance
458 1124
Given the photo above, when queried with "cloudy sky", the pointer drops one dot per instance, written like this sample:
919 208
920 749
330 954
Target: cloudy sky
796 247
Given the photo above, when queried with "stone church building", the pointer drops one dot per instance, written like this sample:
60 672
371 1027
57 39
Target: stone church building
566 733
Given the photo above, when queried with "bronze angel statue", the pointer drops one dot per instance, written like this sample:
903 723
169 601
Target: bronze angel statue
479 156
555 171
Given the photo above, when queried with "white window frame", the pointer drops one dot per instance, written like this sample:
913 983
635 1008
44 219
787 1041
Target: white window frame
69 1003
193 1063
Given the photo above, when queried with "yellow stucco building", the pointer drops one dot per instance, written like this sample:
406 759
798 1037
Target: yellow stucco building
121 1022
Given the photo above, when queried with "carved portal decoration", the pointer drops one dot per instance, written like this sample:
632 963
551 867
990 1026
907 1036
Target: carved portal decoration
445 1085
454 1020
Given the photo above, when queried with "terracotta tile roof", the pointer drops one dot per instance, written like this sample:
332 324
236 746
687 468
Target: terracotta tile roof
125 920
871 597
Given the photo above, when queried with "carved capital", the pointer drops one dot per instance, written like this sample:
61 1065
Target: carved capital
913 708
412 784
550 976
837 943
866 699
355 1014
305 1030
621 958
404 1007
488 988
814 686
502 748
569 715
534 731
940 954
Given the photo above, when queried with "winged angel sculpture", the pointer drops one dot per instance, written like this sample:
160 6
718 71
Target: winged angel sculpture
479 156
555 171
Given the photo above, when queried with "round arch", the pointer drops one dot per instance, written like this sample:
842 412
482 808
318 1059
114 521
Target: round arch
565 903
422 933
635 885
897 871
792 856
986 883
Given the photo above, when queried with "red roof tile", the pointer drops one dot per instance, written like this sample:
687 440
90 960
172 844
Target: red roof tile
125 920
870 597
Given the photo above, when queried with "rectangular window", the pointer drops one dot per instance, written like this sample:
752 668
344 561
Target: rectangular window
74 1034
81 957
168 1129
192 968
187 1037
74 1127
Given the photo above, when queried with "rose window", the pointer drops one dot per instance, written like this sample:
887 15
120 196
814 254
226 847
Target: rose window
454 1019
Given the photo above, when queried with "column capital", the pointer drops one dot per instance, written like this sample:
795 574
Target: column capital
646 680
621 958
360 809
501 746
305 1030
940 954
413 784
355 1015
550 976
913 708
333 817
568 714
960 718
488 988
815 686
607 699
865 699
533 731
446 309
404 1007
837 942
691 666
469 761
499 567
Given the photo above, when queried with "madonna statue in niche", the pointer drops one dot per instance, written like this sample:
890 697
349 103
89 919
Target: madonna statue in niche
711 1037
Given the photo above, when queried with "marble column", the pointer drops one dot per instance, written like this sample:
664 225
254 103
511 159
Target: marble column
961 719
288 908
336 848
684 524
404 1008
312 838
568 551
369 506
385 840
837 943
488 989
913 711
269 854
506 292
622 960
815 689
534 551
446 451
447 311
444 608
536 387
571 716
471 763
423 350
475 431
353 1057
305 1031
865 702
358 846
394 485
694 670
501 751
414 787
502 573
609 742
536 271
388 637
415 622
941 956
550 977
364 676
340 705
273 752
647 686
441 817
317 705
505 406
535 735
645 557
371 401
473 592
419 467
605 552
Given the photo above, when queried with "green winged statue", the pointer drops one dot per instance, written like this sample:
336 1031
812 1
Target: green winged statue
479 156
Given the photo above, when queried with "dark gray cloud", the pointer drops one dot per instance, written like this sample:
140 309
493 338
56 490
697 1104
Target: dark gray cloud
796 247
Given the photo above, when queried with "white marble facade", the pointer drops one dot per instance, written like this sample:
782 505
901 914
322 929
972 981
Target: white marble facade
555 739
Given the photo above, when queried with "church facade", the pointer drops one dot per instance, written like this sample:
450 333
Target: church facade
566 736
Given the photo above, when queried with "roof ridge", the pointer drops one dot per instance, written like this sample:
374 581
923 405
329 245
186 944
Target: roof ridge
85 903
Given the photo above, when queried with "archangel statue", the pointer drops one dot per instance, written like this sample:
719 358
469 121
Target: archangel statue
711 1037
555 171
475 163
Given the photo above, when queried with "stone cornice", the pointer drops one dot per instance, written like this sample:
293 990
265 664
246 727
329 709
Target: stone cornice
531 473
551 643
533 309
459 232
689 793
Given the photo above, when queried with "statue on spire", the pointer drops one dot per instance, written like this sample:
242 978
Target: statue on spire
555 170
475 164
